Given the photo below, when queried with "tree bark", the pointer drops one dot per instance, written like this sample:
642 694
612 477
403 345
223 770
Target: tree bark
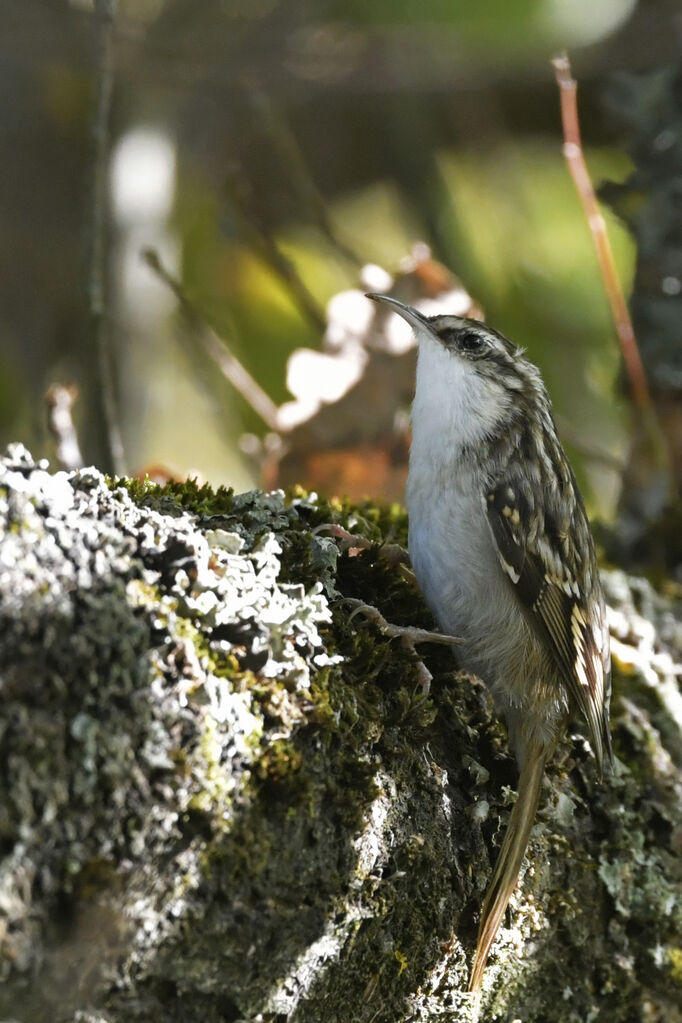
222 799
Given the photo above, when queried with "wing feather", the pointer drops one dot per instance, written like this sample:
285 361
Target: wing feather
561 597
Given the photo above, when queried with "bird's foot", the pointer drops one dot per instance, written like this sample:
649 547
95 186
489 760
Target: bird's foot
409 636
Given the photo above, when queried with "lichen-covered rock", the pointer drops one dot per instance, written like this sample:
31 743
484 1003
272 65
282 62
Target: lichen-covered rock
223 800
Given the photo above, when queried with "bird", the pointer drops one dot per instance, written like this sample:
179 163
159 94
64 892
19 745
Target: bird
502 550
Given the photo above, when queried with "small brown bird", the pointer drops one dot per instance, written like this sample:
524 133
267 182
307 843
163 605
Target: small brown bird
502 550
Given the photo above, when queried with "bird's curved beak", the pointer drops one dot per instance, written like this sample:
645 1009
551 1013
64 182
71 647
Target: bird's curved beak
415 319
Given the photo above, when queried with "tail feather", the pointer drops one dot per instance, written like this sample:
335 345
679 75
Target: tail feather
509 862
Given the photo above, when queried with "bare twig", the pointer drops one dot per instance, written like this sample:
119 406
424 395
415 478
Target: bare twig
60 400
291 159
105 13
214 346
239 191
581 178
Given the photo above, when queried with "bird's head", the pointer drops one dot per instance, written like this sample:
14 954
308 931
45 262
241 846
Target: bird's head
470 369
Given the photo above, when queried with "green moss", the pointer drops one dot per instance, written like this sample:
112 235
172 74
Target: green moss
402 960
144 594
186 494
674 956
323 713
181 760
279 762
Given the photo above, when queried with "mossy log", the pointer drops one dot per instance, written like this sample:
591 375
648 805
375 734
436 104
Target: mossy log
223 798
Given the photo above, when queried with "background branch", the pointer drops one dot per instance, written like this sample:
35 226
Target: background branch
105 13
264 243
215 347
581 177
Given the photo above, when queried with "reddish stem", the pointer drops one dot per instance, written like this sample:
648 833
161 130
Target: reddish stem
581 178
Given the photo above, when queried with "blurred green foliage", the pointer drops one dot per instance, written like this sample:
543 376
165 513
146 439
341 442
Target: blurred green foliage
525 253
434 121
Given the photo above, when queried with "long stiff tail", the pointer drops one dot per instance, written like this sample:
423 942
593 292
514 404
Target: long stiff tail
509 862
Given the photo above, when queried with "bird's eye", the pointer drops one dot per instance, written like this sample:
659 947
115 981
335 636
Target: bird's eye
469 341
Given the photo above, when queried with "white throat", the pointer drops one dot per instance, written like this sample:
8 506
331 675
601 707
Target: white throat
454 406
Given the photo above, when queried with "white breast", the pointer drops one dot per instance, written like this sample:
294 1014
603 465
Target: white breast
450 542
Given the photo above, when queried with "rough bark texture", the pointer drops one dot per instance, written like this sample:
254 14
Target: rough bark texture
222 800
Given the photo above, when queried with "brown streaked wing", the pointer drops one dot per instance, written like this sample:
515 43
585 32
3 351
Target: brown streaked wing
570 622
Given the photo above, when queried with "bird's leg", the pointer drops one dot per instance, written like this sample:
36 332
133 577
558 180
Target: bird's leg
348 541
398 558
